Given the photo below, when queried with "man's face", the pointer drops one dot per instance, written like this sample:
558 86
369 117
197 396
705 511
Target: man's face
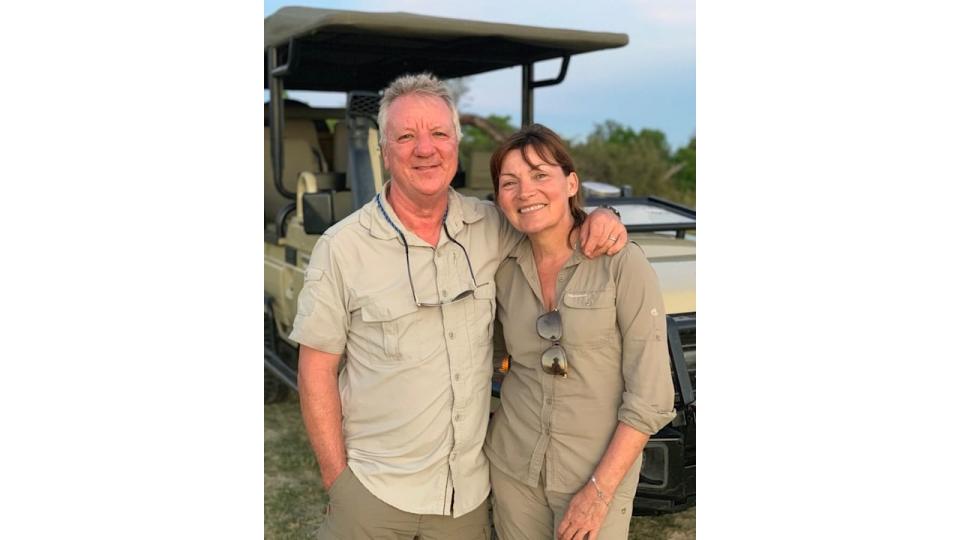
420 147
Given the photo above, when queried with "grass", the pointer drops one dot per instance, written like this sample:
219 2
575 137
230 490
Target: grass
293 495
294 499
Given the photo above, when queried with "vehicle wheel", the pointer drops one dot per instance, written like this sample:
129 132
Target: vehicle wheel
273 390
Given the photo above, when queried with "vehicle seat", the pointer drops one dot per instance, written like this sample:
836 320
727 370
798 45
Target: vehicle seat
301 152
478 176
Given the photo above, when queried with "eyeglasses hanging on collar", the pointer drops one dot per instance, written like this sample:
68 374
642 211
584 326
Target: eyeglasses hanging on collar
406 252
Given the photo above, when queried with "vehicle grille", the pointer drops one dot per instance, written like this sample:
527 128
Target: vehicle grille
363 104
688 338
686 324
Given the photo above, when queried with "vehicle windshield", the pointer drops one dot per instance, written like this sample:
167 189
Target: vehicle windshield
638 213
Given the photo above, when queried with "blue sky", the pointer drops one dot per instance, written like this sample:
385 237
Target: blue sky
650 83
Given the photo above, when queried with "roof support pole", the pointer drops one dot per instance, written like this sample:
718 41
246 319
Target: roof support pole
276 123
529 84
526 111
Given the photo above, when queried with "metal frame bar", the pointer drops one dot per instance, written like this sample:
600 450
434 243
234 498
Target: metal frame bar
276 366
680 228
528 84
275 73
674 325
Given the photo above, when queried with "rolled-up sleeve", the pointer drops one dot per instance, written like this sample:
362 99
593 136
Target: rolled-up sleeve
322 320
648 394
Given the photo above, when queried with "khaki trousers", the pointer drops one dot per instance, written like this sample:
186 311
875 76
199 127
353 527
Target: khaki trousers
521 512
355 513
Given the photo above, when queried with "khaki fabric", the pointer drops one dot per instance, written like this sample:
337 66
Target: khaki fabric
614 336
415 387
354 512
521 512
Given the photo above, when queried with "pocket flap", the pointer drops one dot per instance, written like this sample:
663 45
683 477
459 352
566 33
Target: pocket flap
387 308
485 291
589 299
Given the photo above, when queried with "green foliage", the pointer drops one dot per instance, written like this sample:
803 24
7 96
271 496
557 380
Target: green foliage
618 155
615 154
611 132
686 178
475 140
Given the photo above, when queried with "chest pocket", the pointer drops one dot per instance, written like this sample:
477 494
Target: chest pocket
402 332
481 322
589 318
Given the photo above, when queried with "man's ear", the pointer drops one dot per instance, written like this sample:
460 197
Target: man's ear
383 158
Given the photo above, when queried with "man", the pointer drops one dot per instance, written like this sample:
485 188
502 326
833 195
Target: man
404 286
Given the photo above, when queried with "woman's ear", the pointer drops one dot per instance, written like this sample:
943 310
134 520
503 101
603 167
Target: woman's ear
573 184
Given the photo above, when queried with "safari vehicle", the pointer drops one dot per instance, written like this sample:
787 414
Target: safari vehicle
322 163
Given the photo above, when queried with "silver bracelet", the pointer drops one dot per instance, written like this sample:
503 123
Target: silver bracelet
599 491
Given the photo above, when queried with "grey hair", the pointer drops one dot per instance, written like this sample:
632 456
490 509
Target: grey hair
424 84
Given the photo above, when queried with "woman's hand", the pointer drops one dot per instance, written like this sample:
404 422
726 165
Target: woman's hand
584 515
602 234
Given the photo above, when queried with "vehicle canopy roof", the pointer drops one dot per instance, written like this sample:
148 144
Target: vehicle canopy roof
338 50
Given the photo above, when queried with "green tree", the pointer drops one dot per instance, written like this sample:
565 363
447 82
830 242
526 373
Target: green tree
619 155
476 139
686 177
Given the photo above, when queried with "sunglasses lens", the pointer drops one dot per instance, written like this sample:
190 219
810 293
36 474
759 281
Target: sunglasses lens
554 360
549 327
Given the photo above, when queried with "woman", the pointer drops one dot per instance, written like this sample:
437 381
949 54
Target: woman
590 377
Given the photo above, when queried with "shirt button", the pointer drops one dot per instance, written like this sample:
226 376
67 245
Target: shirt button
444 293
456 418
549 401
453 456
456 376
451 335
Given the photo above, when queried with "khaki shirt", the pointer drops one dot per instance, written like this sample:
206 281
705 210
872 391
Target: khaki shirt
614 336
415 387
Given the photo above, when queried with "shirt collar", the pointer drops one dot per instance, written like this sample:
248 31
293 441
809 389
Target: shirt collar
523 253
459 212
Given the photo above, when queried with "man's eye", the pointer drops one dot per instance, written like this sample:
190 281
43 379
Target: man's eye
405 137
439 134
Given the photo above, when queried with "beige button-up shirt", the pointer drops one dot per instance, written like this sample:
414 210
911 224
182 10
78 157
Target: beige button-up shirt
614 336
415 387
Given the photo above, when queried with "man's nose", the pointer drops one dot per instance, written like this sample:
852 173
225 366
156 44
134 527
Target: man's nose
424 145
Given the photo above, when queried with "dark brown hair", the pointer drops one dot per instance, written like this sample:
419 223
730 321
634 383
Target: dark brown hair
550 148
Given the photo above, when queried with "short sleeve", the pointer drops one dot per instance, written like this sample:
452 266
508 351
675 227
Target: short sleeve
322 320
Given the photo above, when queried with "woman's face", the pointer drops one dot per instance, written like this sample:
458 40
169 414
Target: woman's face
534 196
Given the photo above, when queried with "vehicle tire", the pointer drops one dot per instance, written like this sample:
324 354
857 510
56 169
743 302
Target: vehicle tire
273 388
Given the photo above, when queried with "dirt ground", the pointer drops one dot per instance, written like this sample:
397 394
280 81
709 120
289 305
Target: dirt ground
294 499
